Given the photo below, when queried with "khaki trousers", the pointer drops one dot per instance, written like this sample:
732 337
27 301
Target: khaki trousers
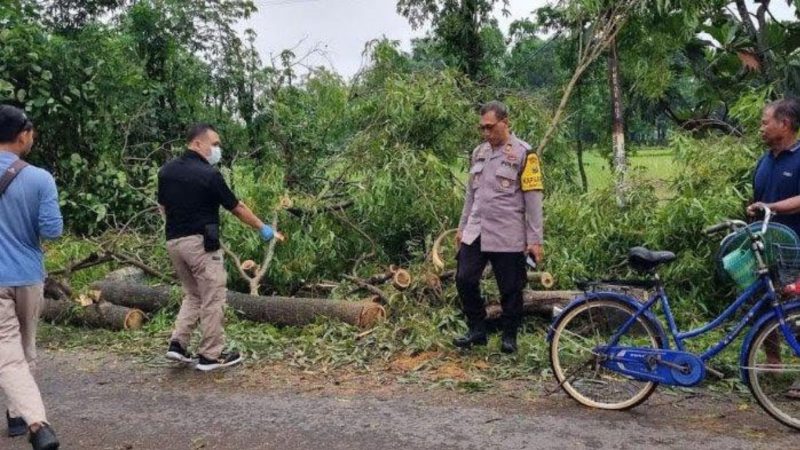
19 315
203 278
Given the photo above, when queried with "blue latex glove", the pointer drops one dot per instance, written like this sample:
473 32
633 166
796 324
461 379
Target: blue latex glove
267 233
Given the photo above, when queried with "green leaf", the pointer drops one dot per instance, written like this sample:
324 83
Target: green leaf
101 212
6 87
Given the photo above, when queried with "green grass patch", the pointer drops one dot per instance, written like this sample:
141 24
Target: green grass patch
655 164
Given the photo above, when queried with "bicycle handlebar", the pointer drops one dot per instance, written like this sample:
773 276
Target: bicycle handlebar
736 224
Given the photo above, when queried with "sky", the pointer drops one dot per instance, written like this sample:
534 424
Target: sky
339 29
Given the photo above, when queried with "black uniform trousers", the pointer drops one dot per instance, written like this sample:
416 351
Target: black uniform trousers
510 273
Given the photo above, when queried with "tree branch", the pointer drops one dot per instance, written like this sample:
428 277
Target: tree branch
604 33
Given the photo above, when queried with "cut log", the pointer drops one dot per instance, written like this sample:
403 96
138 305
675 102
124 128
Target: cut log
275 310
98 315
128 274
56 289
133 295
545 279
302 311
537 303
401 279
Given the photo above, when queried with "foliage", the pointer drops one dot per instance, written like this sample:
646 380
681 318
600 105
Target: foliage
713 184
374 166
458 29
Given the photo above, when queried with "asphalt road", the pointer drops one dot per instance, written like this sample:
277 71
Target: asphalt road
106 402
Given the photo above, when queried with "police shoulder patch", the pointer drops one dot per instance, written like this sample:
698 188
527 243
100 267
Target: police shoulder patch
531 179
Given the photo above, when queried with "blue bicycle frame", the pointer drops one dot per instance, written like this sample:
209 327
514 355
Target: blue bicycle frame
763 283
651 356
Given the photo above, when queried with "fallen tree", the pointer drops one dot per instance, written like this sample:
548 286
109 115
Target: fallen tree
97 315
544 279
537 303
275 310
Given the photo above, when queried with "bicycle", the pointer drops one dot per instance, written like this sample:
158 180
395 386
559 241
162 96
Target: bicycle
608 350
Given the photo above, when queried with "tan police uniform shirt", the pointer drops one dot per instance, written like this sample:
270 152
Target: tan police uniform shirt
503 201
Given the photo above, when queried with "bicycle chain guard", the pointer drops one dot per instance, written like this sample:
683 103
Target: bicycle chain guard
672 367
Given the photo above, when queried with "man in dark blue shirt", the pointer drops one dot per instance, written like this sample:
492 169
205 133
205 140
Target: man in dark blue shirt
777 177
776 184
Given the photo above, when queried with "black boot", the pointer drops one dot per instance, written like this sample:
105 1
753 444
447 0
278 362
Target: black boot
44 438
510 327
475 336
509 343
16 425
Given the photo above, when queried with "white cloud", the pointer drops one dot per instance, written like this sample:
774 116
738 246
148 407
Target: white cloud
341 28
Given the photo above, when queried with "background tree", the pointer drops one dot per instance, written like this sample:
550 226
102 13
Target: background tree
457 29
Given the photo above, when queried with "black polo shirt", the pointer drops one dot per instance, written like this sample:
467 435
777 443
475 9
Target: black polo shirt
191 191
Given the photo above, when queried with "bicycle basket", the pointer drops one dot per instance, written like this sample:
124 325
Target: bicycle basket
776 234
741 265
788 266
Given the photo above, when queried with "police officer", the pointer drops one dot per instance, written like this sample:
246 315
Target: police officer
501 222
190 192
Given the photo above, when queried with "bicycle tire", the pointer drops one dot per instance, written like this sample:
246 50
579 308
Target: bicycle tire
573 389
767 381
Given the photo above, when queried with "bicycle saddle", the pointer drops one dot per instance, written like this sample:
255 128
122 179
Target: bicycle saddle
644 260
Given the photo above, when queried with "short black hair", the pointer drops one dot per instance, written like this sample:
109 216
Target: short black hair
499 109
787 109
13 121
198 130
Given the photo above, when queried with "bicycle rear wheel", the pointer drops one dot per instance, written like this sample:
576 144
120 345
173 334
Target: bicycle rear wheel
773 371
577 365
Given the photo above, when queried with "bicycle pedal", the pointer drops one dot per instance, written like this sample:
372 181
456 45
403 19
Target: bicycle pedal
715 372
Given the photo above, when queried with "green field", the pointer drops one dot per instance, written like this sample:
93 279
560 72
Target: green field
654 163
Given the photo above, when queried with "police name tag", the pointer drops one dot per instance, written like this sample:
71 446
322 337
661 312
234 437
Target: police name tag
532 174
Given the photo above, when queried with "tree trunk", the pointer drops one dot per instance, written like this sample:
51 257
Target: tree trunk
617 124
579 136
470 43
99 315
276 310
537 303
302 311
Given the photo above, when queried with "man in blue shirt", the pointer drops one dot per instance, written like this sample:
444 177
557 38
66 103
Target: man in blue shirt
777 177
776 184
28 213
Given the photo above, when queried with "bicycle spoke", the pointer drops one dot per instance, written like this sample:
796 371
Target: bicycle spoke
773 372
579 335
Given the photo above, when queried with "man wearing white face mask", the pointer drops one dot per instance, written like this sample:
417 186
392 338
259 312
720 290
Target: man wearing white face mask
190 192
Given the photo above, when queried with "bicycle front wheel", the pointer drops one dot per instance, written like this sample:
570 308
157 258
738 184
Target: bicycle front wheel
773 371
577 365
